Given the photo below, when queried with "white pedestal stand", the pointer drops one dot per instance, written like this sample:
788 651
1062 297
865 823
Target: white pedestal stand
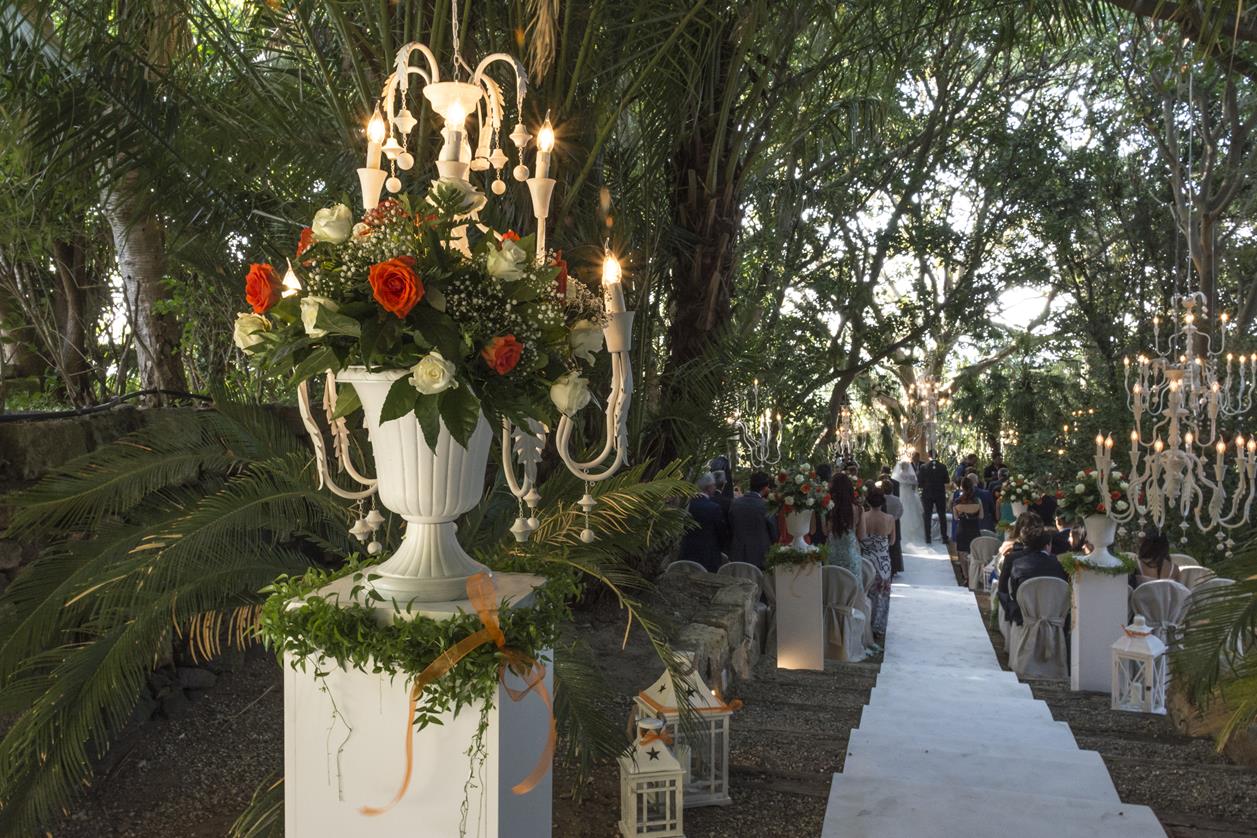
800 617
344 749
1099 614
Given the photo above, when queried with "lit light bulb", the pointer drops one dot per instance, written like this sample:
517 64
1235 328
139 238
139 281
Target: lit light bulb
1108 443
612 290
545 137
1158 446
1134 437
292 285
1221 447
611 271
1189 439
456 115
375 128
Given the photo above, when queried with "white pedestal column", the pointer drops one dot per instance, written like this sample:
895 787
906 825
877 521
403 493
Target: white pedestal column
800 618
1099 614
344 748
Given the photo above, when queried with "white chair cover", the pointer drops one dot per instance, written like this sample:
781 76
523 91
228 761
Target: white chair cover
1037 648
686 566
1193 576
763 611
1163 604
1210 584
987 533
1183 560
845 616
981 553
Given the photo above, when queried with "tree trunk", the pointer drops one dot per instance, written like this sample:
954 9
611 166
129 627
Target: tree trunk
74 310
139 243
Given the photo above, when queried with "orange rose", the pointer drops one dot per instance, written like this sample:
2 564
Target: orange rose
307 239
502 353
396 286
262 287
508 236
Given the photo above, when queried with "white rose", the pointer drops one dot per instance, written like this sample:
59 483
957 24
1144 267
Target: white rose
1123 486
586 338
248 329
310 314
473 198
1080 489
1081 475
507 262
361 229
789 501
811 501
1120 505
798 478
570 393
332 224
433 374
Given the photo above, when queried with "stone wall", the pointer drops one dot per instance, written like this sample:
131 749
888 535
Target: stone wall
715 616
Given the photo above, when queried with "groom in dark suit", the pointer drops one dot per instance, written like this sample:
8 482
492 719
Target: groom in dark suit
934 479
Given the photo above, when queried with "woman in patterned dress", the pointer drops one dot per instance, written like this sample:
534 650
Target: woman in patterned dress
845 526
879 534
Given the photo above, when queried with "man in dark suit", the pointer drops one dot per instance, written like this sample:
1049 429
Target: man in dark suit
934 479
991 472
751 533
724 497
1060 538
705 543
1030 563
1045 508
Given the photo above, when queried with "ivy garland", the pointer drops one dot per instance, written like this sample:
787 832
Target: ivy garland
350 634
1074 563
783 555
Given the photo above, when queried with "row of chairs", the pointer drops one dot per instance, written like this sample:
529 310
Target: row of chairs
848 617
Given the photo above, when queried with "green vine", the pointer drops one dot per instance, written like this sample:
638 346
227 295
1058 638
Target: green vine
781 555
349 633
1074 563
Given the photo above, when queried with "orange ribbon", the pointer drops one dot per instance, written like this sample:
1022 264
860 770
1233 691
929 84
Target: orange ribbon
651 736
731 706
483 596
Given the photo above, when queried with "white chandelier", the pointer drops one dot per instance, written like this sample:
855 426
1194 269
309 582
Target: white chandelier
1181 460
758 432
388 135
928 398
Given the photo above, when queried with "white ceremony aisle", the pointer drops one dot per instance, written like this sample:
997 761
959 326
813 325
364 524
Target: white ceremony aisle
951 745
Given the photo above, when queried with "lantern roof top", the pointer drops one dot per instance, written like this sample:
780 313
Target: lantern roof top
1137 638
650 753
661 696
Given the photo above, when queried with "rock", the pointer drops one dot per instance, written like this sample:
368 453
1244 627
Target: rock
710 646
175 705
731 619
10 554
195 678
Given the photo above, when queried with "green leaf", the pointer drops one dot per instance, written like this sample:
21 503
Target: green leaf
347 401
438 330
316 362
399 401
335 323
427 411
460 410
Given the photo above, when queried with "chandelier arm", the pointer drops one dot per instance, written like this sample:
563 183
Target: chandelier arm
521 76
518 488
340 431
610 418
320 450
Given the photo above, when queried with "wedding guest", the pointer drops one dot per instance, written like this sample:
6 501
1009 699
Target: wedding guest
1154 558
879 534
1034 562
820 526
915 462
967 513
894 508
991 472
706 542
988 503
724 496
751 531
963 467
1044 507
933 479
1061 538
845 525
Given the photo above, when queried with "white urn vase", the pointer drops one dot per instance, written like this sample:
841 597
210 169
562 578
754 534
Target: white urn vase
799 524
1019 509
428 487
1101 530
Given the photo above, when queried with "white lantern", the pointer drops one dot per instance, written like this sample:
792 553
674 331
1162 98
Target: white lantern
652 790
1139 670
705 759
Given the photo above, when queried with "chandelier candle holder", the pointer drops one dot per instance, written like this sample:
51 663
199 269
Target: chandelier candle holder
705 760
758 432
1140 674
1180 396
652 788
928 399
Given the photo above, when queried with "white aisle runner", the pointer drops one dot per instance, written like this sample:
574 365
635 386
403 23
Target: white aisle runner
951 745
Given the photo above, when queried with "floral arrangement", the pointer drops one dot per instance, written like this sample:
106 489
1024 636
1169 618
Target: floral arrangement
480 325
1072 563
785 555
800 490
1084 497
1019 489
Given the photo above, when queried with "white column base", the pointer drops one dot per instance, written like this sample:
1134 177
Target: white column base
800 617
1099 615
344 748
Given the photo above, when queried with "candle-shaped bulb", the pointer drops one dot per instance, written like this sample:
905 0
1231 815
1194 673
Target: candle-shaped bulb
456 115
1221 446
1108 443
545 137
292 285
1189 438
1158 446
1134 437
1239 440
375 128
1224 317
1126 360
1252 446
1137 388
1099 440
611 271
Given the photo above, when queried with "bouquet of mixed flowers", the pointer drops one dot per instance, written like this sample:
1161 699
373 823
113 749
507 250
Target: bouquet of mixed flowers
1084 497
800 490
1019 489
479 324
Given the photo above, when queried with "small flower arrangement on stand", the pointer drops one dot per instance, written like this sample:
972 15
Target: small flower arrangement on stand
797 494
1020 491
1095 499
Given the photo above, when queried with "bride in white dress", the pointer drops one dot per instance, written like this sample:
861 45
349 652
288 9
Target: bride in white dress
912 524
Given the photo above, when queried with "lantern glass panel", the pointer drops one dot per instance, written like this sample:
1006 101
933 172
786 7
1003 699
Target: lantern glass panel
656 806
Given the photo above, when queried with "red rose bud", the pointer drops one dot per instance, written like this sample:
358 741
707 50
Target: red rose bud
502 353
262 287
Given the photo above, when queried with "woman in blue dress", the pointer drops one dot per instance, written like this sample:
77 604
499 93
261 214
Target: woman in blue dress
845 524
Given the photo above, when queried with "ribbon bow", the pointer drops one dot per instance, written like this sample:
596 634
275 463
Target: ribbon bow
661 736
483 596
